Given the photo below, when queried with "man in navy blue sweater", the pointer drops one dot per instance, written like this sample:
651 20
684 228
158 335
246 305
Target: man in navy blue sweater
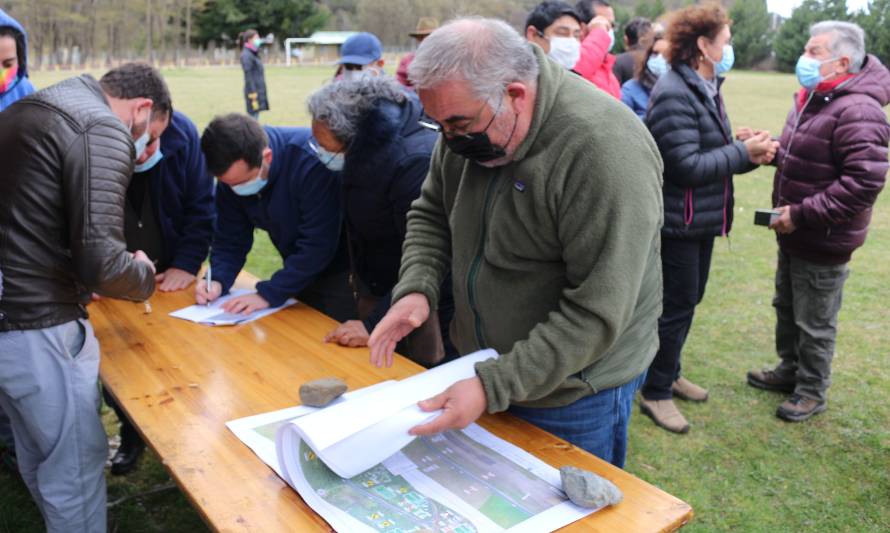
270 178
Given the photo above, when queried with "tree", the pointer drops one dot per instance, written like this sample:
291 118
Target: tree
795 32
751 35
876 24
223 20
651 9
622 17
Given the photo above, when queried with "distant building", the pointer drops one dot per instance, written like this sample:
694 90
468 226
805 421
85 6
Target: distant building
320 47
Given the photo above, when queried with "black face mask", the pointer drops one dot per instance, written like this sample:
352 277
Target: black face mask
477 146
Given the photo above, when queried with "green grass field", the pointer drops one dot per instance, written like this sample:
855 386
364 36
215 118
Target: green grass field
739 467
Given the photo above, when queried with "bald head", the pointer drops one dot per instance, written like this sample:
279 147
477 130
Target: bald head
486 53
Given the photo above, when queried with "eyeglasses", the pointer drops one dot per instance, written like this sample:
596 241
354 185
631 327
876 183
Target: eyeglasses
352 66
462 131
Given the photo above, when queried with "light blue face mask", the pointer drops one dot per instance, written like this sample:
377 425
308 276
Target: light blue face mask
611 39
657 65
333 160
141 143
249 188
149 163
807 71
725 64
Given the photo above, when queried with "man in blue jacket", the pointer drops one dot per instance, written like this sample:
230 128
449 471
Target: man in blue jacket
14 82
168 214
270 178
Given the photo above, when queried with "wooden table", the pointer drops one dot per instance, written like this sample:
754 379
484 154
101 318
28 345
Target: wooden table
181 382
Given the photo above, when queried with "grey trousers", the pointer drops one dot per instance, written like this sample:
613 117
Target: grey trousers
807 301
48 388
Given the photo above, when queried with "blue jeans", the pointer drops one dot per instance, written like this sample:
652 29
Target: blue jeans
597 423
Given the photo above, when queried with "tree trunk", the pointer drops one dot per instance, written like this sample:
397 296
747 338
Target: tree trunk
148 33
188 30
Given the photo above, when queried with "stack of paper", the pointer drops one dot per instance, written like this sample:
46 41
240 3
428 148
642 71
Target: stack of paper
354 463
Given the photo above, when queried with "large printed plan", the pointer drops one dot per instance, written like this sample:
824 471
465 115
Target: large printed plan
458 481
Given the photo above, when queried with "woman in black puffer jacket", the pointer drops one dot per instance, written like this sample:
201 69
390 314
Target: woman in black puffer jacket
687 118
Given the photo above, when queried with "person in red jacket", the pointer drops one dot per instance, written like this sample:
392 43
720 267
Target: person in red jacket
831 165
595 64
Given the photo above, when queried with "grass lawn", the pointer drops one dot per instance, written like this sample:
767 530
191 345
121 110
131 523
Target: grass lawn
739 467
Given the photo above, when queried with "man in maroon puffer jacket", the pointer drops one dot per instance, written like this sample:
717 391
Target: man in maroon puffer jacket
830 168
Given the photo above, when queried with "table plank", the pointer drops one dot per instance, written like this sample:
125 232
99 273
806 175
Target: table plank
181 382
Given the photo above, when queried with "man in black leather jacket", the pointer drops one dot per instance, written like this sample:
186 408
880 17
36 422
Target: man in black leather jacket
68 154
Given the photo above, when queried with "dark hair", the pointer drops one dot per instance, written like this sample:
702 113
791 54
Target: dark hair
139 80
546 13
232 137
646 77
585 8
637 27
245 36
687 25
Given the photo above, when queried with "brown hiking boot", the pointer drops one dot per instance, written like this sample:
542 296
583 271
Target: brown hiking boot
767 379
689 391
665 414
798 408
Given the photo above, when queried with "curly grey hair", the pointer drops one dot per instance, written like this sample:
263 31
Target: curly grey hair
341 105
487 53
848 40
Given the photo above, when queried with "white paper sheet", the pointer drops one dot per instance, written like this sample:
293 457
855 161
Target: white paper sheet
258 431
379 424
213 314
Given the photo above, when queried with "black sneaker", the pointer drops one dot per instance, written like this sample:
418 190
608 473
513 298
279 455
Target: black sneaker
798 408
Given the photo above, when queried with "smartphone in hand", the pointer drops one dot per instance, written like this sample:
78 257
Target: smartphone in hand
765 217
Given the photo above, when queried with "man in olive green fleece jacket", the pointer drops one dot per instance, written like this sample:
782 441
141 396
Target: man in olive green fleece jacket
544 200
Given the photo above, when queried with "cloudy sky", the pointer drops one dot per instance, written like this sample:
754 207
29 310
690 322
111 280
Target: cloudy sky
784 7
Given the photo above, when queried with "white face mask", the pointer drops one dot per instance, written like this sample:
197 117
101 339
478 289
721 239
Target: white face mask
355 75
565 50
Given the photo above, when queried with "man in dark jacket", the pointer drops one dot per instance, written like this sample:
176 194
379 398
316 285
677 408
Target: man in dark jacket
368 129
169 214
831 165
70 150
270 178
637 37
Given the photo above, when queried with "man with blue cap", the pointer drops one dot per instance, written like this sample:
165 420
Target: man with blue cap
361 55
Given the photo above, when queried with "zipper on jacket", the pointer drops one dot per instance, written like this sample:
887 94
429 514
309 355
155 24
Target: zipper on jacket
474 268
791 142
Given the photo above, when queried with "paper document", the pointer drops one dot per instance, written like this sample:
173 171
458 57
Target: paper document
458 481
214 315
379 424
